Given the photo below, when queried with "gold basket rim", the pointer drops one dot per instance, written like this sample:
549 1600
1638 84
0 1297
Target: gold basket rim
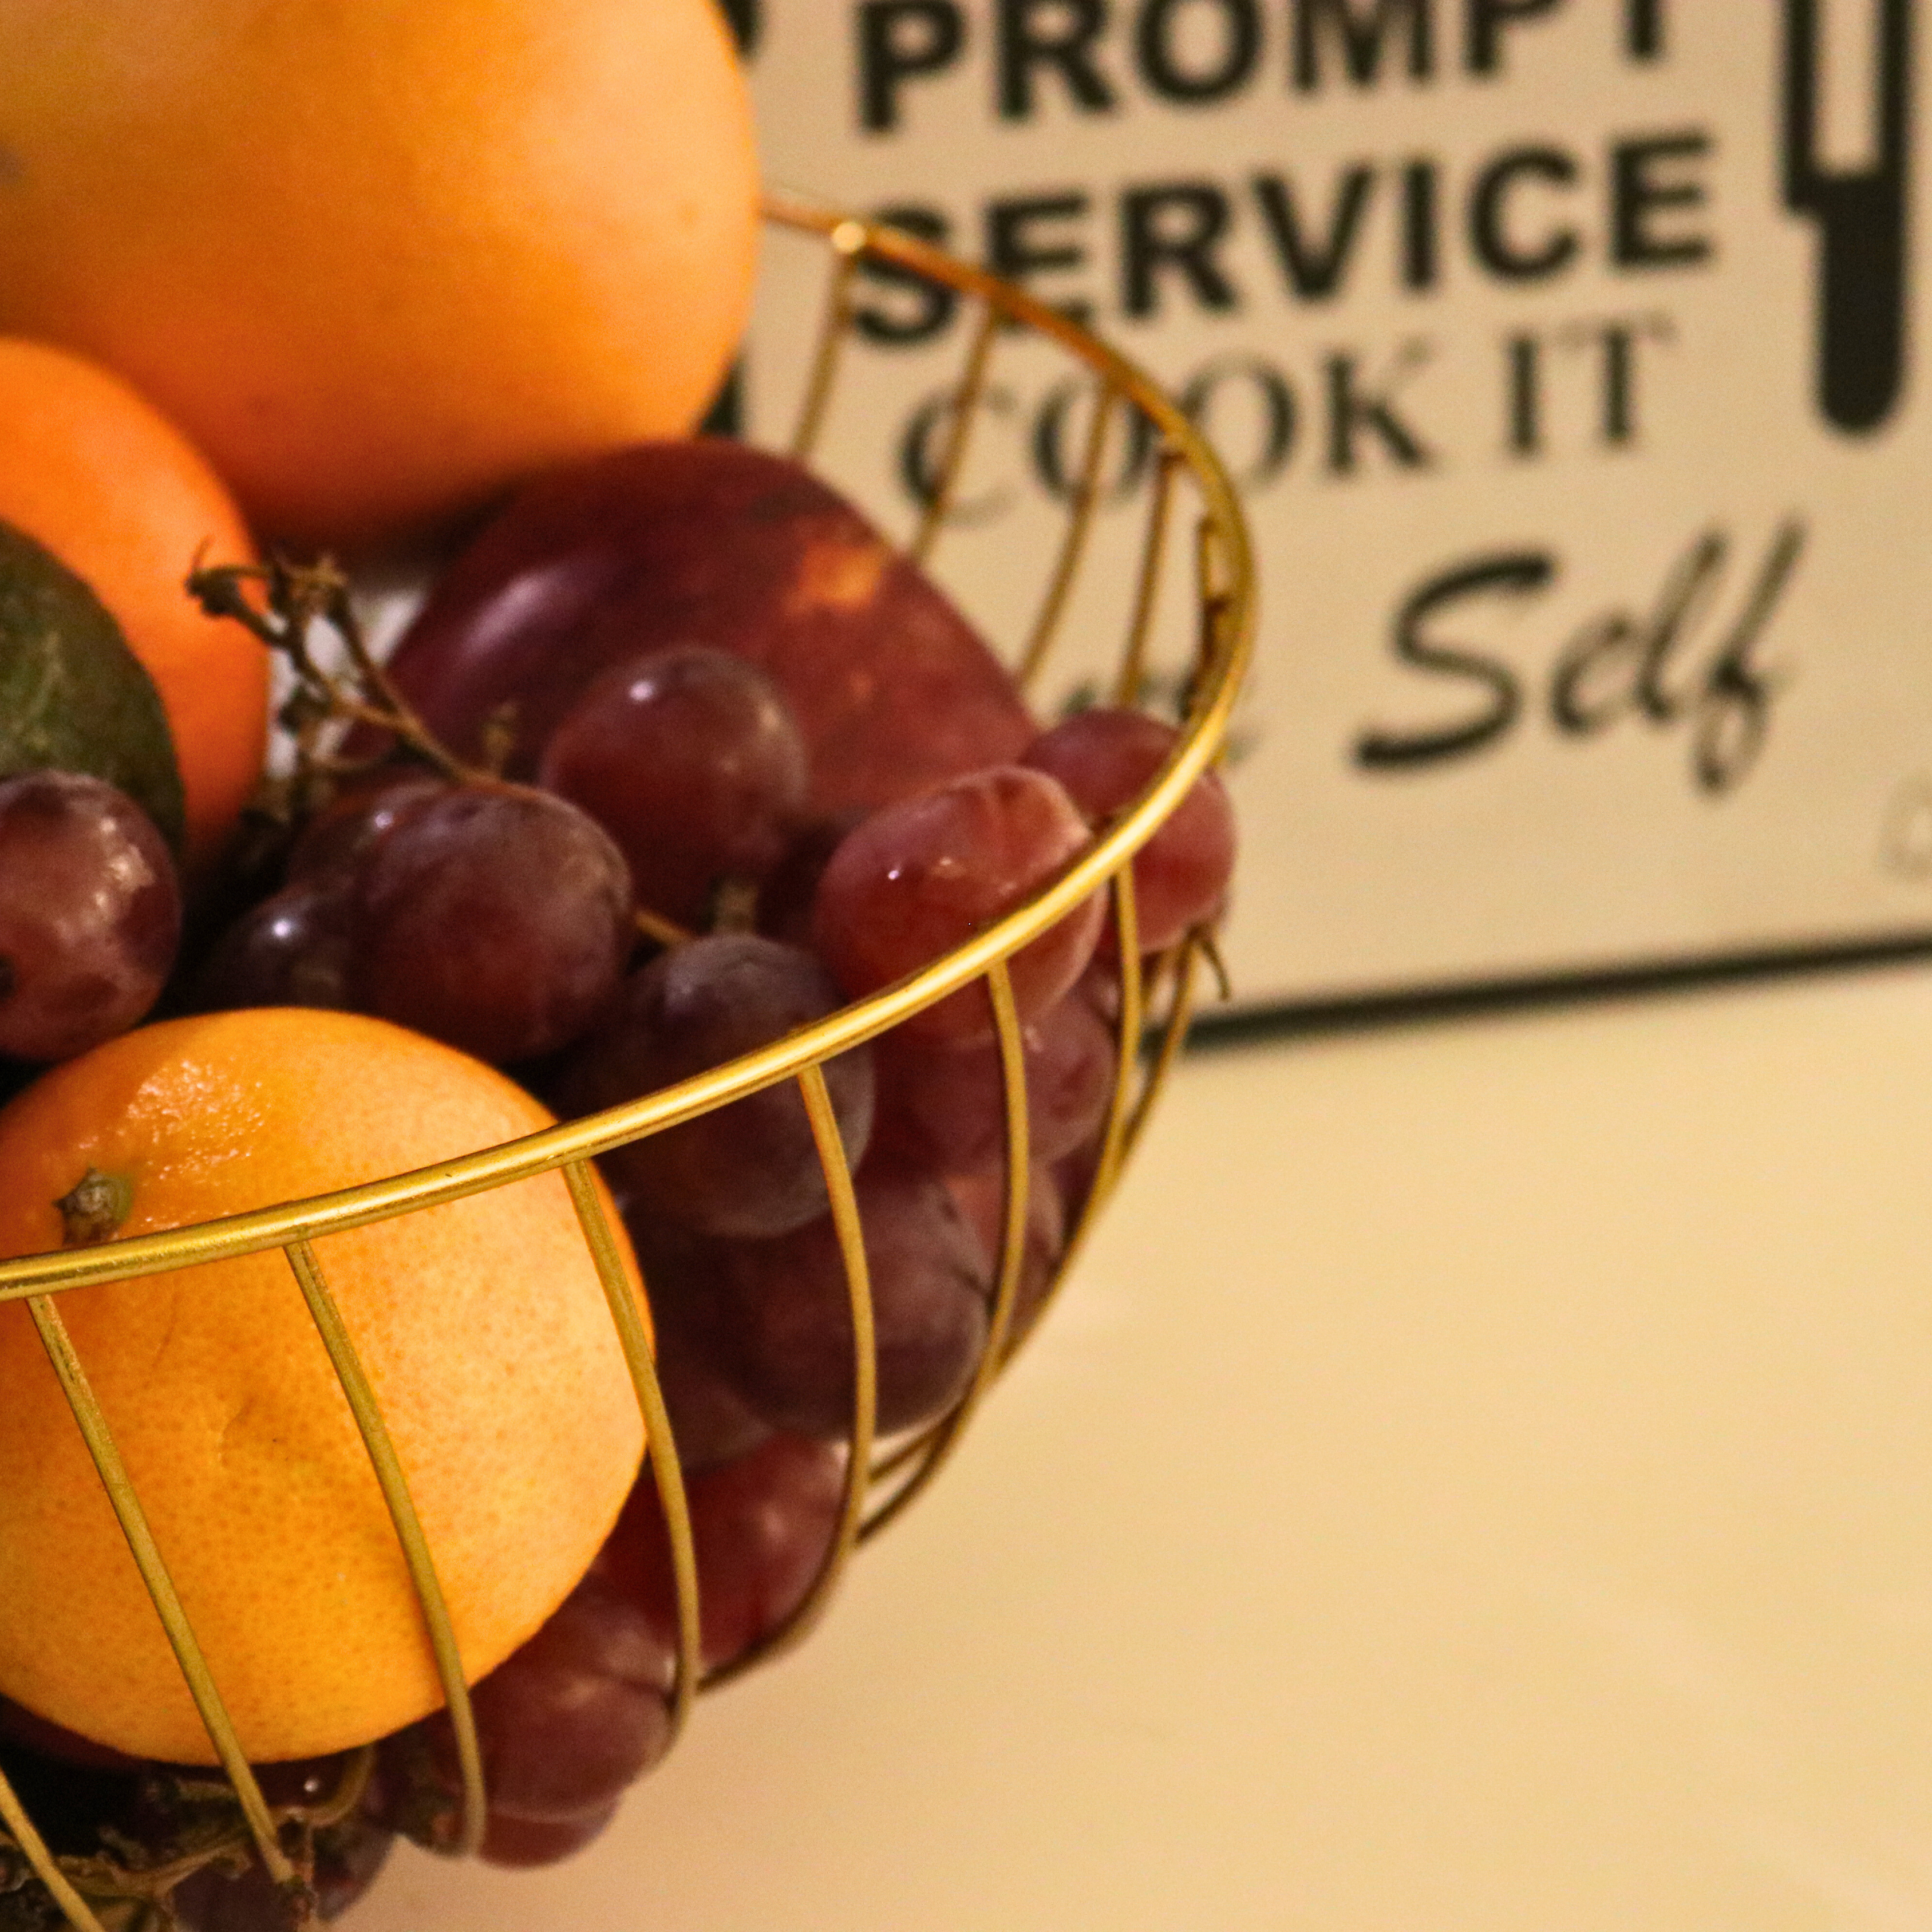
1226 649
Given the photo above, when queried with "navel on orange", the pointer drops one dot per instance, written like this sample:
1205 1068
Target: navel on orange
481 1324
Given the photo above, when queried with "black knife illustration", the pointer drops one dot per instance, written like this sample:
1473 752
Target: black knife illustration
742 16
1861 217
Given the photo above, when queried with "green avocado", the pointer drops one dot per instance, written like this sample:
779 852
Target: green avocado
73 696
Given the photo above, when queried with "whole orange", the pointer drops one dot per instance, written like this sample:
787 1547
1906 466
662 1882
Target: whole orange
380 262
94 473
482 1326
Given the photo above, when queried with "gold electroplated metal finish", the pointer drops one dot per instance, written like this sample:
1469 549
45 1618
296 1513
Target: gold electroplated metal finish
845 1220
1155 1004
668 1477
847 242
1073 542
153 1566
438 1627
1133 678
921 1460
965 414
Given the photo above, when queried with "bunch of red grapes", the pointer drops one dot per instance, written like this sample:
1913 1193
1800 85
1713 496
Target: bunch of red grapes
727 764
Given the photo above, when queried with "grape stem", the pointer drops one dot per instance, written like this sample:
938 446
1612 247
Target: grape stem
123 1872
655 925
290 598
1208 941
278 602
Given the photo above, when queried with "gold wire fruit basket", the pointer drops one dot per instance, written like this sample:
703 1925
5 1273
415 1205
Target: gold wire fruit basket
1211 618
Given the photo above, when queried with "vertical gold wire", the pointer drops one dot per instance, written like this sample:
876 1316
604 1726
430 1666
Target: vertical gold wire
938 1444
865 1387
1179 1015
13 1815
965 407
1133 1011
1209 564
1120 1104
133 1521
1079 522
660 1446
1154 556
848 243
416 1553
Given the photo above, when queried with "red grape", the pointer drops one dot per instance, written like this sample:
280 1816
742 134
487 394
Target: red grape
785 896
690 759
578 1713
982 1198
564 1724
761 1526
709 1422
663 542
338 838
774 1317
1099 987
348 1856
1075 1174
90 914
749 1169
292 949
494 917
919 877
945 1108
525 1842
1106 758
213 1900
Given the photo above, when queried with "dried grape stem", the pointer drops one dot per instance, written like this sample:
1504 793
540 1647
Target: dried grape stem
117 1885
297 596
655 925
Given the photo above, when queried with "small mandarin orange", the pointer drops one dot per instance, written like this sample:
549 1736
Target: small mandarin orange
482 1325
93 472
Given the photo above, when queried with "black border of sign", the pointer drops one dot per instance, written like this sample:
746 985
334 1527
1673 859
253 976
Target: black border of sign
1212 1029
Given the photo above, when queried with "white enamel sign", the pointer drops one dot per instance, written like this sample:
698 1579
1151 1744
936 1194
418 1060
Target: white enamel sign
1565 351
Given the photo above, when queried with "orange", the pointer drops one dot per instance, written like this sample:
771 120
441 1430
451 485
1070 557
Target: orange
483 1328
380 262
96 474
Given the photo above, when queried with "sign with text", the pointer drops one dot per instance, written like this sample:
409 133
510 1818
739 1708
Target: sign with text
1565 353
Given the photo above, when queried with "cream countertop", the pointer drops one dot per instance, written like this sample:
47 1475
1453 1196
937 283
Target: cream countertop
1480 1480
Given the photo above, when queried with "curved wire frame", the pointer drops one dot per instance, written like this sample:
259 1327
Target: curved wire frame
1155 1006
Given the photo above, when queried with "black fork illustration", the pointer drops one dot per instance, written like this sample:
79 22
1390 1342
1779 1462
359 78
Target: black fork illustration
1860 213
